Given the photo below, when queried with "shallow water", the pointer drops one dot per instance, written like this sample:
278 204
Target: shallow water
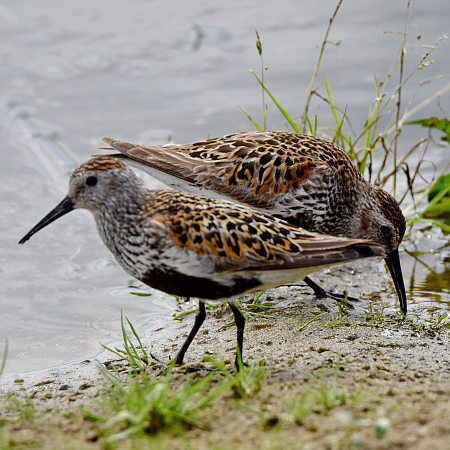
75 71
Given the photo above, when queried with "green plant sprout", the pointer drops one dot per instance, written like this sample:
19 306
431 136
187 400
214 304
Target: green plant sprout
302 327
247 380
130 354
322 399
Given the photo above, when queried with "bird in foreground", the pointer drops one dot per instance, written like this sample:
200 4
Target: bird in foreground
195 246
306 181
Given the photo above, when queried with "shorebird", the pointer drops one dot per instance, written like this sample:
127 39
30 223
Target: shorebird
196 246
306 181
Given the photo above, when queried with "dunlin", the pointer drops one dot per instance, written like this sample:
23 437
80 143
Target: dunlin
196 246
304 180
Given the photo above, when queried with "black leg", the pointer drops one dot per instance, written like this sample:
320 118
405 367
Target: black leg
199 319
319 292
239 319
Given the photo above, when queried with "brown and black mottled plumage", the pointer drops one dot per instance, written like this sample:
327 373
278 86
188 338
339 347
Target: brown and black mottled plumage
195 246
304 180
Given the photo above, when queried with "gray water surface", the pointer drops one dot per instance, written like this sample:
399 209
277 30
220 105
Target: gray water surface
74 71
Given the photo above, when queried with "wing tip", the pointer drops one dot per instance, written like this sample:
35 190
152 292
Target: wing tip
107 140
369 249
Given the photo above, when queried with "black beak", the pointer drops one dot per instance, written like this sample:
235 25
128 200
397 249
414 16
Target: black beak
393 263
63 208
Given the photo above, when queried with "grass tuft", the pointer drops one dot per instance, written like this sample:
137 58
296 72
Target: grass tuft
148 404
323 398
247 380
23 406
135 357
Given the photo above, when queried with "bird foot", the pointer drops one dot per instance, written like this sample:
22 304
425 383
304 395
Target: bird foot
320 292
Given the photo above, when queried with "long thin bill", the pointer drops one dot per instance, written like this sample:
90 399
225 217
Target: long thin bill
63 208
393 263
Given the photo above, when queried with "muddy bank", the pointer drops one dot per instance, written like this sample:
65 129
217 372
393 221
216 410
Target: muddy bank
395 371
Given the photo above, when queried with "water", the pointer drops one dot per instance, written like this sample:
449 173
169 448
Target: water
75 71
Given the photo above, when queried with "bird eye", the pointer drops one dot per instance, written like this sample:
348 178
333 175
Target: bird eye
384 229
91 181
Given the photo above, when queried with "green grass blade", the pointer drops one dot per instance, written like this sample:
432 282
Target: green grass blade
134 357
339 129
258 295
312 128
216 393
5 355
135 334
330 99
309 125
119 353
302 327
437 198
281 109
339 122
185 313
253 121
439 223
115 380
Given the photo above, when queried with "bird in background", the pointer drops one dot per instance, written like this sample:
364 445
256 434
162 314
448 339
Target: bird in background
195 246
304 180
